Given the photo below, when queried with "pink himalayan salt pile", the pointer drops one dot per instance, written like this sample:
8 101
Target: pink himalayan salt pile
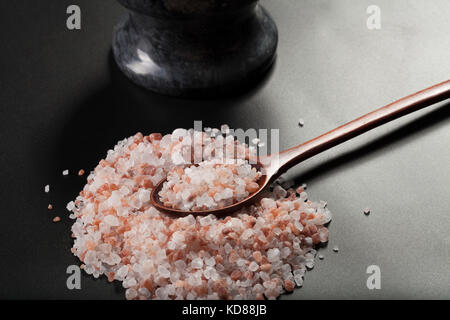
210 185
253 254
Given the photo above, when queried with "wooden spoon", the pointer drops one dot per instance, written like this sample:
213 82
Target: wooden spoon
276 165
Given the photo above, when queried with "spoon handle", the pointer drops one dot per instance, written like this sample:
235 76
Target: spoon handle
291 157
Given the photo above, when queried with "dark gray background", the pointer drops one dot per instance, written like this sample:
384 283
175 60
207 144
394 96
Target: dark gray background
63 104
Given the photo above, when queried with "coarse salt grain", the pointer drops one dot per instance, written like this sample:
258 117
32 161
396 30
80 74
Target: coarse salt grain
240 256
47 189
70 206
65 172
56 219
367 211
225 129
301 122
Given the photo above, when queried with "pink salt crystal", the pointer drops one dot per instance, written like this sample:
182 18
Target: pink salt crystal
235 275
266 267
257 256
289 285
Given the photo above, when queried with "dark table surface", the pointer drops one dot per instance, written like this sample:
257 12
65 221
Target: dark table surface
63 104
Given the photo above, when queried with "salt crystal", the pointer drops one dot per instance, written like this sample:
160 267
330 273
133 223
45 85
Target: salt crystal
161 293
180 264
144 292
178 133
247 234
210 261
240 262
367 211
131 294
65 172
206 221
70 206
197 263
253 266
225 129
268 203
47 189
298 280
301 122
122 272
273 254
163 271
335 249
228 248
112 221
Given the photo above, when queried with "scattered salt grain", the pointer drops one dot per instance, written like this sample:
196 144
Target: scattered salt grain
50 207
301 122
47 189
336 249
321 256
56 219
81 172
65 172
70 206
367 211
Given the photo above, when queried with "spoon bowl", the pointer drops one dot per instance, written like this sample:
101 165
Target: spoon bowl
263 182
276 165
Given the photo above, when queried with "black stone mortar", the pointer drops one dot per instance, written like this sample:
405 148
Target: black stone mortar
195 48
